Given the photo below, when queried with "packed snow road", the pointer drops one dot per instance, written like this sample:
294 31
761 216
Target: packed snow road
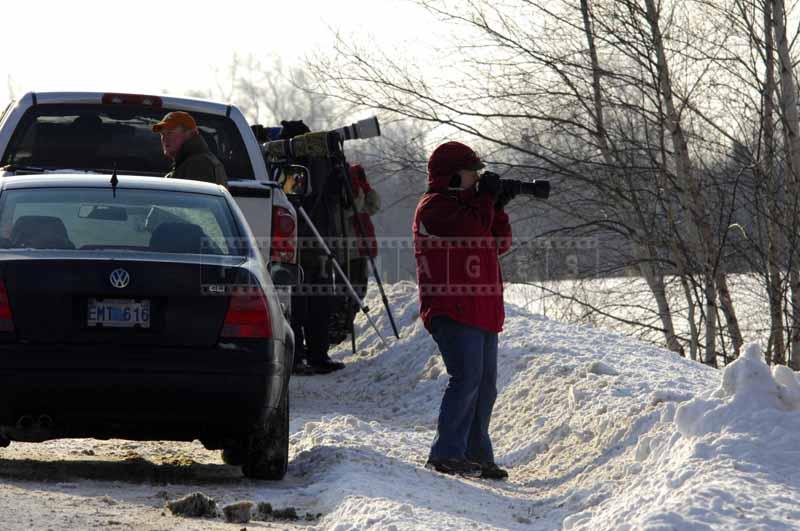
598 432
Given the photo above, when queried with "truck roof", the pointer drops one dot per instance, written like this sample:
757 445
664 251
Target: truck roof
156 100
12 116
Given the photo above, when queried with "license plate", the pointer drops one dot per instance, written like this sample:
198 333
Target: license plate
120 313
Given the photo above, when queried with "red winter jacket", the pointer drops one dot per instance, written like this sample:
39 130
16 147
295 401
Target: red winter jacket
458 236
367 243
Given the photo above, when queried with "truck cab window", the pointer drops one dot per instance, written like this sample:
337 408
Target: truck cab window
99 137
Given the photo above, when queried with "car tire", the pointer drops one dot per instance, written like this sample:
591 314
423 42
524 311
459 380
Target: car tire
268 448
234 455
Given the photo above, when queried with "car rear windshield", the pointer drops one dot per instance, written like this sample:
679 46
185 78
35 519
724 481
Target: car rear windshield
91 219
99 137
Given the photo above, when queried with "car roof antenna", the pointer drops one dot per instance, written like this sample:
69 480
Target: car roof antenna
114 180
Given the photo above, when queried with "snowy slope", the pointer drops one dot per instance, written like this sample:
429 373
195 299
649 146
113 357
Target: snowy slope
598 432
585 420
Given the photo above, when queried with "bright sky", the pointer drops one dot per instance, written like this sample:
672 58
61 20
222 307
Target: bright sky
174 46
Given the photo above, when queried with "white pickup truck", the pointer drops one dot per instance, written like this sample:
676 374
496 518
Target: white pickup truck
44 132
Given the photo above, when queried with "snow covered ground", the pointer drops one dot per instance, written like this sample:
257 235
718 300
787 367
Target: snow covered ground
598 432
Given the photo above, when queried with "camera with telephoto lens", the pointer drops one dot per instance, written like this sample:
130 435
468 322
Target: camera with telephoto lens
366 128
322 144
512 187
537 188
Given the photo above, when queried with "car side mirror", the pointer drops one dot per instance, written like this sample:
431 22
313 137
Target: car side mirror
295 180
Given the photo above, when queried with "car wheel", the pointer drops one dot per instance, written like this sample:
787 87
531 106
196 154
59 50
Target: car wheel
268 448
234 455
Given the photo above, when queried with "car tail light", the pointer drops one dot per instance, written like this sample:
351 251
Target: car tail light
132 99
6 321
248 315
283 247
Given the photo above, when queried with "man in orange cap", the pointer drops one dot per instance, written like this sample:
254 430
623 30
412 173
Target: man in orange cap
191 157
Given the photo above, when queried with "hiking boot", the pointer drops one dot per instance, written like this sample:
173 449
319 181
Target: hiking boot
453 466
326 366
492 471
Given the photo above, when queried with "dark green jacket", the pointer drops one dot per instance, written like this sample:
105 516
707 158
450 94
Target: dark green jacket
195 161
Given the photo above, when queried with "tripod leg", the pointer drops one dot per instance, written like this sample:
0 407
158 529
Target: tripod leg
353 336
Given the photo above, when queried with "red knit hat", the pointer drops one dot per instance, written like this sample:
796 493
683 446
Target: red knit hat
451 157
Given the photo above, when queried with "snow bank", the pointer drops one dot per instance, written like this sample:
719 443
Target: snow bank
573 403
598 431
728 459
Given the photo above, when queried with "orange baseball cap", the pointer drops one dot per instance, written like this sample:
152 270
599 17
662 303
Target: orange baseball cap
175 119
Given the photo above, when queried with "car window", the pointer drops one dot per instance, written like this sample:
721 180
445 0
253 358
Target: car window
134 220
5 110
101 137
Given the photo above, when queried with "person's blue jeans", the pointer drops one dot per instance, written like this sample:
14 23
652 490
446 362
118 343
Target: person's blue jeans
470 355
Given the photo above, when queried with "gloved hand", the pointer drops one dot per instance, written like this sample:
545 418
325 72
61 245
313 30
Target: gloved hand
489 184
505 195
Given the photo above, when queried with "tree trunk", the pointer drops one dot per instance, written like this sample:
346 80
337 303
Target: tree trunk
791 124
694 344
726 303
655 280
690 193
775 243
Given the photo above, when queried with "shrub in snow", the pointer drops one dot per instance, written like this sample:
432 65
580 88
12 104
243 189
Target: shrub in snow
289 513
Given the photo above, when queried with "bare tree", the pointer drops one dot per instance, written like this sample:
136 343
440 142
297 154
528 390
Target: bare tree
640 110
641 235
269 91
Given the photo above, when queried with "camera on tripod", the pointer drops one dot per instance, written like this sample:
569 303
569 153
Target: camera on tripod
323 144
366 128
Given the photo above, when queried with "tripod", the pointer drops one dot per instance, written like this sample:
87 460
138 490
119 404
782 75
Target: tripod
332 257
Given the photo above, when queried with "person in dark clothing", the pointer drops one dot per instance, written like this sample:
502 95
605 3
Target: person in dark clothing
190 154
309 320
311 309
460 229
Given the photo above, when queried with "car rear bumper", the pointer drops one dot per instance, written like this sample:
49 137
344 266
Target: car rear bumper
138 393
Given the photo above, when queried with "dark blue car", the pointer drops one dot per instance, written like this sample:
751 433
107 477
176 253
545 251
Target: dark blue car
141 310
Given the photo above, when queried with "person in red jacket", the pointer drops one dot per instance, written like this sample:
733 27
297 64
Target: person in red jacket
459 229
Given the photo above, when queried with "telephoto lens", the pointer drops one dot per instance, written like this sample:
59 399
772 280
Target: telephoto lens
366 128
536 188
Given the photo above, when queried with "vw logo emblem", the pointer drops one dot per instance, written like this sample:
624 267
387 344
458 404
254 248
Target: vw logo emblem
120 278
